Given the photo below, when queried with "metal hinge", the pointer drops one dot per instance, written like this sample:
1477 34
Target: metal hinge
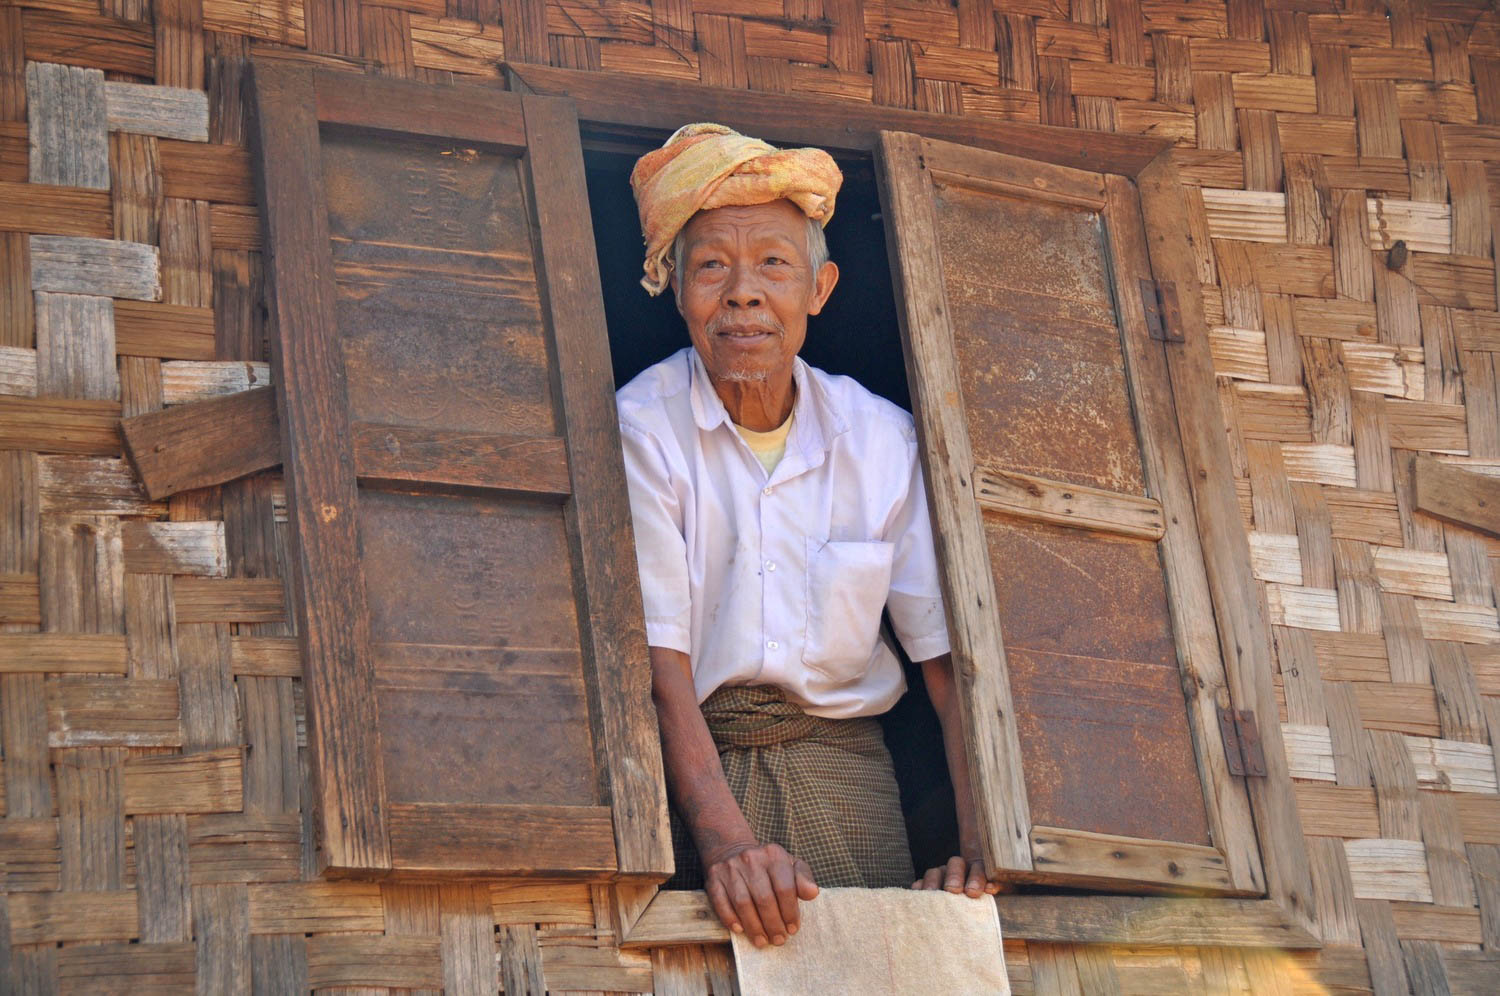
1163 316
1242 747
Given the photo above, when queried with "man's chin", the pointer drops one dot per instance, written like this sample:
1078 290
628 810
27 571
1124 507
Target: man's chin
739 375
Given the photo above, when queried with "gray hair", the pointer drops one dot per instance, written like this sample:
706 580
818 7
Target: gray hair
817 247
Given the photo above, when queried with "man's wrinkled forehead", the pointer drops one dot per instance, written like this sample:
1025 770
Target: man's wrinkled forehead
779 219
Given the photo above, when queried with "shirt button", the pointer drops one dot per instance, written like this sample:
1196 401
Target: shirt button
770 565
767 491
772 645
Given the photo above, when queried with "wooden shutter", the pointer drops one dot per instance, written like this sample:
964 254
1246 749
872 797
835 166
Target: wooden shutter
467 599
1065 523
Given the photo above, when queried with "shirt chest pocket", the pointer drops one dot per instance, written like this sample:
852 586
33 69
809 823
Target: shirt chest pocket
847 587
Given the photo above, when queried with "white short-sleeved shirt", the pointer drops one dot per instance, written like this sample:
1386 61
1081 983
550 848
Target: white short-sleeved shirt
780 579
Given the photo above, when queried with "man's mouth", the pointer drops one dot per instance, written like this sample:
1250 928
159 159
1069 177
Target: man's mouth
745 330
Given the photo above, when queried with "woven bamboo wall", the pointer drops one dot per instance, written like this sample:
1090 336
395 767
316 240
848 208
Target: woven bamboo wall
1345 171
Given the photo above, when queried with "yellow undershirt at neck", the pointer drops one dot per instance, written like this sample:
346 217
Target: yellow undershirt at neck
768 447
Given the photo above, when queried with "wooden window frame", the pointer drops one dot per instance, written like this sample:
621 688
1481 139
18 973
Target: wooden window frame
1286 917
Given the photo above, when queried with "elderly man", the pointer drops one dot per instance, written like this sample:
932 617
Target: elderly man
778 511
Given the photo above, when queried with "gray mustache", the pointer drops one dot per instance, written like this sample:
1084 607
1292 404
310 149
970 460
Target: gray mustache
754 319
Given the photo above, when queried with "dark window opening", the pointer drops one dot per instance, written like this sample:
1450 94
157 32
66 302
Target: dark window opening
857 334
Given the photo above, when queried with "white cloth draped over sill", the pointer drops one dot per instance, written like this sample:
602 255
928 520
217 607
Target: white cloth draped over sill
874 942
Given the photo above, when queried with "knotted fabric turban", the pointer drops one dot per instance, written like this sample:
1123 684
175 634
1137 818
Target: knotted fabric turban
707 166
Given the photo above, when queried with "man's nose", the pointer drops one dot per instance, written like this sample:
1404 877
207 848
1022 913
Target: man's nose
743 290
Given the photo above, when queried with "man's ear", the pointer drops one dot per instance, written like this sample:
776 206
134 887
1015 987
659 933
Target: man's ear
823 284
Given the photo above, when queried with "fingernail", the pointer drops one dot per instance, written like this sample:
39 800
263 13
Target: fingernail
760 942
779 939
792 929
736 928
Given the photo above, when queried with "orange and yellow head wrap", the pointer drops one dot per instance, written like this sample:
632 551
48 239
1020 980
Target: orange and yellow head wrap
707 166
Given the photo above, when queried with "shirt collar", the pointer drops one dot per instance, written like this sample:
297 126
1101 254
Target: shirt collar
815 421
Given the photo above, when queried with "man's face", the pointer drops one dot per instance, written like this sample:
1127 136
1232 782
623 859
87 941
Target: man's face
747 288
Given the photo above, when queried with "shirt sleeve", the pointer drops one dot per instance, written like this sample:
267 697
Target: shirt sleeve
916 599
661 551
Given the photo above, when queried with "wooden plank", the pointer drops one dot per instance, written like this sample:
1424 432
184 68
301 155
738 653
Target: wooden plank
174 548
1243 631
467 112
161 861
185 381
1335 891
467 941
677 918
69 264
1029 497
991 736
75 211
20 600
571 966
165 331
353 960
80 574
413 909
517 901
204 442
1484 864
272 772
66 115
62 653
521 965
270 656
1226 802
50 917
91 827
1447 867
1146 921
75 347
600 531
18 371
1458 496
206 172
661 104
164 111
1106 856
521 464
166 968
560 841
1383 868
218 600
280 964
209 704
221 926
315 907
203 782
333 622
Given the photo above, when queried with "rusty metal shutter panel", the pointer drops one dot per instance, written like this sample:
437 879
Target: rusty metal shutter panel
1075 583
465 582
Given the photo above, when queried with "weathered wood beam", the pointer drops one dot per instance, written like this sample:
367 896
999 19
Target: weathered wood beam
205 442
1461 497
1064 504
662 105
1148 920
685 917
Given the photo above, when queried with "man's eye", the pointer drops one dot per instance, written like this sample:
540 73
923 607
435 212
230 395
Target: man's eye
775 260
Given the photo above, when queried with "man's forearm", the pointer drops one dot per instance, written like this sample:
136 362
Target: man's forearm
942 689
694 775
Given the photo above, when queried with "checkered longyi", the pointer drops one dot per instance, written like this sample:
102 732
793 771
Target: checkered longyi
822 788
